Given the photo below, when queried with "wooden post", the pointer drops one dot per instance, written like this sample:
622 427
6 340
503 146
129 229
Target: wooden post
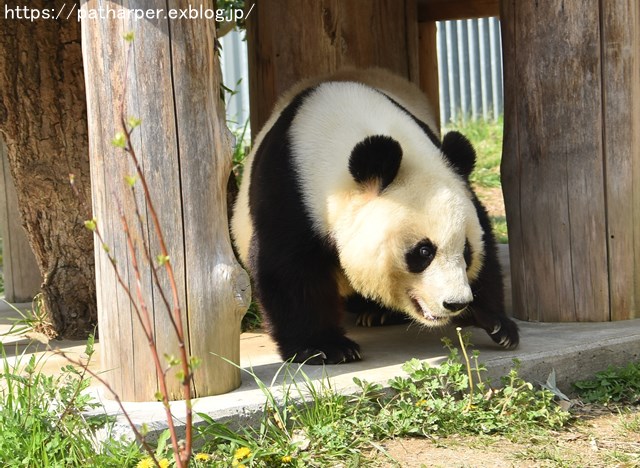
21 274
289 40
428 62
173 85
572 157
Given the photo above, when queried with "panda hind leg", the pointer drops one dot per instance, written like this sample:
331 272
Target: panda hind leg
372 314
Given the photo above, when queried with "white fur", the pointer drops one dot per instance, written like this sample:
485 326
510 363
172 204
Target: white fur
372 230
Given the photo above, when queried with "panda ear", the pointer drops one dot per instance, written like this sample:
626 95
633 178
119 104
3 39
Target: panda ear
376 158
459 152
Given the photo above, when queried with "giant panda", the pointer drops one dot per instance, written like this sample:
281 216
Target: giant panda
350 201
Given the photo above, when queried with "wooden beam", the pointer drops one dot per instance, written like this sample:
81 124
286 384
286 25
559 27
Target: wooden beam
21 274
441 10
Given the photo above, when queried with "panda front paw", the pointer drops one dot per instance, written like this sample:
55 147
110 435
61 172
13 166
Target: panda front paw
337 351
505 333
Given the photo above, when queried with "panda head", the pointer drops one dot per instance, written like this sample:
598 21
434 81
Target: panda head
410 236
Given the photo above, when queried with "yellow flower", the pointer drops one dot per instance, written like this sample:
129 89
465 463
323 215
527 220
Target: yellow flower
242 452
421 402
202 457
146 463
286 459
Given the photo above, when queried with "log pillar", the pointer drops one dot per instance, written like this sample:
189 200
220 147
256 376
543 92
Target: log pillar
571 161
289 40
173 86
22 277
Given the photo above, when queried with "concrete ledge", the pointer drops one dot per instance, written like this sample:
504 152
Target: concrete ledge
575 351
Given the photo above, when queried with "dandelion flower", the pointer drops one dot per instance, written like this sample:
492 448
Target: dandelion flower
202 457
242 452
286 459
146 463
164 463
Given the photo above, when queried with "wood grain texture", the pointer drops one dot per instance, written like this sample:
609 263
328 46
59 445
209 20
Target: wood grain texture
19 268
620 26
440 10
428 53
185 150
294 39
569 159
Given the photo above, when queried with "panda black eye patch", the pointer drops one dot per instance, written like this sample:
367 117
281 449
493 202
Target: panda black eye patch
420 256
467 253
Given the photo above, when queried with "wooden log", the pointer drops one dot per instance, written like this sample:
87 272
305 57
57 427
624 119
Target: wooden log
173 85
441 10
570 156
428 60
322 36
19 268
620 42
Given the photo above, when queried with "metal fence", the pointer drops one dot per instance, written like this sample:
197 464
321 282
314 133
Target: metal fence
470 71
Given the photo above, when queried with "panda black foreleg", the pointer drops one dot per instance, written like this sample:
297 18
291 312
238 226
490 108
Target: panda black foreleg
487 309
303 310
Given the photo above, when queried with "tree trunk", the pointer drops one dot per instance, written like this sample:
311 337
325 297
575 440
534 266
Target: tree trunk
43 121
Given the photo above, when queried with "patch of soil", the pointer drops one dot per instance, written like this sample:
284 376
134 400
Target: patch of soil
491 199
598 438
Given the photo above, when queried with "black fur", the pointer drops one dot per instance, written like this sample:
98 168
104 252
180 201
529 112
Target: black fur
459 152
292 268
376 157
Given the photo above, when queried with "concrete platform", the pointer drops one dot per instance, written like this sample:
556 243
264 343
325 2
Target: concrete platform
576 351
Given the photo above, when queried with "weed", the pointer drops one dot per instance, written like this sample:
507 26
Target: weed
43 423
34 321
614 385
307 424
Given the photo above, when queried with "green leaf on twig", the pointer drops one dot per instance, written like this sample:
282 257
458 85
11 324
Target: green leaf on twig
131 180
120 140
171 360
194 362
134 122
91 224
162 259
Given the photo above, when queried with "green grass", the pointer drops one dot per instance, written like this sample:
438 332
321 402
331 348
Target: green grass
42 421
486 138
306 424
614 385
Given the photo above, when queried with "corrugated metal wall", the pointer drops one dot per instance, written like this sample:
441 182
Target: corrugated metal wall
470 71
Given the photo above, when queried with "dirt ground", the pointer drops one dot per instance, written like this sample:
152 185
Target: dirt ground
599 437
491 199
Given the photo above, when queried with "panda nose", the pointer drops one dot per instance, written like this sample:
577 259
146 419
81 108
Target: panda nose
455 306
